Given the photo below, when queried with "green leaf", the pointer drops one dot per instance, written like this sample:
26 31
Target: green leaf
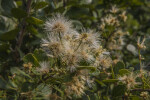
118 90
7 5
36 57
31 58
17 71
112 72
12 84
46 90
110 80
40 5
27 86
4 46
118 66
32 30
40 55
2 83
20 53
77 11
34 21
123 71
7 24
136 98
19 3
18 13
11 35
87 67
60 91
77 24
99 82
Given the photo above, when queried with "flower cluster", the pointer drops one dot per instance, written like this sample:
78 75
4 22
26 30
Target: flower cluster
28 66
112 21
76 86
129 80
71 48
145 95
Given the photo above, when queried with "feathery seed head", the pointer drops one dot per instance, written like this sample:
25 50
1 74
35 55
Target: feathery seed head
89 37
58 25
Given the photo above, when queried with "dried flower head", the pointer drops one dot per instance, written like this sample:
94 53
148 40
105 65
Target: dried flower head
28 65
76 86
102 26
145 95
103 61
110 20
123 16
129 80
140 44
53 96
114 9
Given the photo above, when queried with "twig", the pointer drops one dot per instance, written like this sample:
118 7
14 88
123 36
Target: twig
141 90
22 30
64 3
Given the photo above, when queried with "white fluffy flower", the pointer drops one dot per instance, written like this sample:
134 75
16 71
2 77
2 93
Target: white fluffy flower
44 67
90 37
52 45
58 25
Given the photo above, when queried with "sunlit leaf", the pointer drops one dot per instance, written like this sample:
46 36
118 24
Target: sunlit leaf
16 70
87 67
123 71
40 5
101 83
34 21
110 80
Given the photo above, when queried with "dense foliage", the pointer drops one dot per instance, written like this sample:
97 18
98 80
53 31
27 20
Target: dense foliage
74 49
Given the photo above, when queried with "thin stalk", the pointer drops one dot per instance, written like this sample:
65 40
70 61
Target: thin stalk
60 38
112 71
139 53
88 97
140 90
78 46
99 96
22 31
140 58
